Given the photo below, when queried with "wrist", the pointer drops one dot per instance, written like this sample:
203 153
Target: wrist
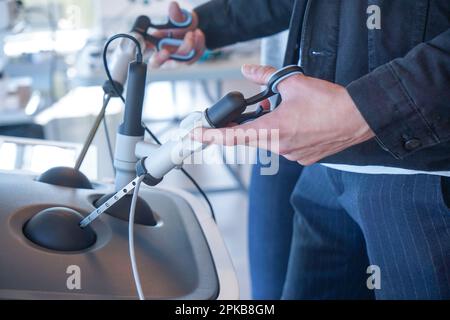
360 127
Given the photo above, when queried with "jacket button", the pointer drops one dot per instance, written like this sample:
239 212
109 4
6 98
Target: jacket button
413 144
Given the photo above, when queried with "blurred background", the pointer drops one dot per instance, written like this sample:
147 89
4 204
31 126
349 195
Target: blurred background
50 92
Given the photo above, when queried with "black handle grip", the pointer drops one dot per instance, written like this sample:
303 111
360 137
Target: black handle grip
227 109
131 126
230 108
141 25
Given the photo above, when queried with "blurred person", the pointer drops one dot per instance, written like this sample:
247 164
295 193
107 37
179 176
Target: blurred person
369 120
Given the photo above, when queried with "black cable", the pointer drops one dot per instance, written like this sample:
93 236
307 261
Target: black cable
105 60
110 79
151 134
196 185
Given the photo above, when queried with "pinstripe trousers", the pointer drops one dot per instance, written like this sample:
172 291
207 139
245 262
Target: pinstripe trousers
345 222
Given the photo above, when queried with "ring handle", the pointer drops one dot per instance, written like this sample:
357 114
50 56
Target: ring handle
183 24
281 75
171 42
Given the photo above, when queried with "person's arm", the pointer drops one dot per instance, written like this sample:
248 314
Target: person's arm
406 102
225 22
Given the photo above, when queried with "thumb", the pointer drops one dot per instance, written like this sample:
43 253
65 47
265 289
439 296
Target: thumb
175 12
257 74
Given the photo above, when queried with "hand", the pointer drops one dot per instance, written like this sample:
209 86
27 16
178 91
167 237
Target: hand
315 119
192 36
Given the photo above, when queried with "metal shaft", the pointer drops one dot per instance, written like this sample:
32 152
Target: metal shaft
109 203
92 132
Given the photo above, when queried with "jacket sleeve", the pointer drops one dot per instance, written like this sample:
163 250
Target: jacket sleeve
226 22
406 102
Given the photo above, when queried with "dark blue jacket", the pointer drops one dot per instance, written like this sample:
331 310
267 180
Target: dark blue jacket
398 76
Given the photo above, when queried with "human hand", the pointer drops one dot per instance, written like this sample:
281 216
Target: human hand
193 38
316 119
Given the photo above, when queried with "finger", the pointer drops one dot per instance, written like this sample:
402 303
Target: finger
161 33
166 34
175 12
187 45
232 124
149 45
265 104
200 44
255 133
256 73
267 121
159 58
